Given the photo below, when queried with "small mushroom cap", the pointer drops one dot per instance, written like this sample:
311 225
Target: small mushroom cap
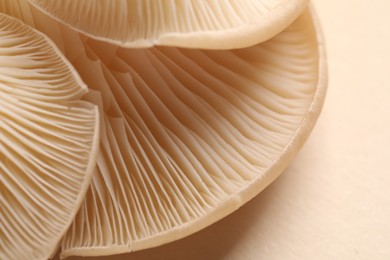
207 24
48 142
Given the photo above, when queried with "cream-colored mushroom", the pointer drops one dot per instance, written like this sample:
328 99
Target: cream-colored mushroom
207 24
48 142
191 135
187 136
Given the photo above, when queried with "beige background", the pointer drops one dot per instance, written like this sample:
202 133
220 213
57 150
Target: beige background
333 202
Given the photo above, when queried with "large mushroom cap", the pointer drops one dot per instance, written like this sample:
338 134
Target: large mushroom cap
48 142
208 24
191 135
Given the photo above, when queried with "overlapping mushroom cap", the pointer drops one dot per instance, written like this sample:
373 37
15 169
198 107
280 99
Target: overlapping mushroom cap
207 24
48 142
187 135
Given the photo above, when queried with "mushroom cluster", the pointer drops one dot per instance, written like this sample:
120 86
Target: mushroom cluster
128 124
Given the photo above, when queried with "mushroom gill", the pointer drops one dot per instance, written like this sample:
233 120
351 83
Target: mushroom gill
207 24
48 142
187 135
191 135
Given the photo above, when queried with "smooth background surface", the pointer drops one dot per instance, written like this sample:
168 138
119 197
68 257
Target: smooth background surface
333 202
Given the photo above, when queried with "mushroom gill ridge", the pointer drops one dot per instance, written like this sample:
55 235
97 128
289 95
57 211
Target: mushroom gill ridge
187 132
48 142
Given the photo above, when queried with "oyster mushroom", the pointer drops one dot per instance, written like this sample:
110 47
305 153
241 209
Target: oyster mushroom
187 135
48 142
211 24
191 135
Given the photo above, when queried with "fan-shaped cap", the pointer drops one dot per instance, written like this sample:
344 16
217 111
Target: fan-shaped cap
191 135
208 24
48 142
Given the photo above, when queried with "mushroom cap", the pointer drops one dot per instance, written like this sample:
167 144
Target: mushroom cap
48 142
189 135
207 24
